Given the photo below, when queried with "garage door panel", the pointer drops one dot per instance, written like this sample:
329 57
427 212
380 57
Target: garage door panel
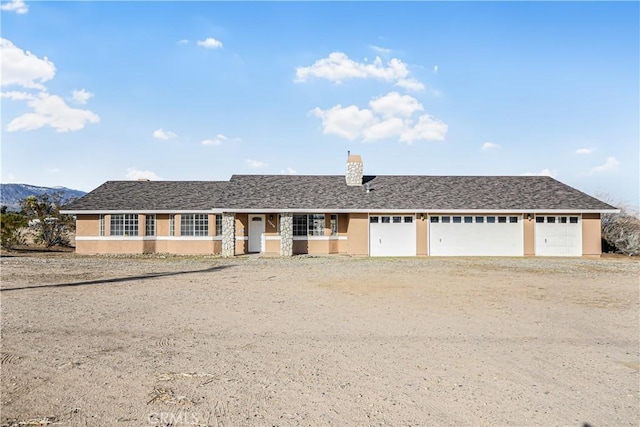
476 239
556 238
392 239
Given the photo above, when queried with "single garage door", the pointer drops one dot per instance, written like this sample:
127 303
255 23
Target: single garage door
391 235
476 235
558 236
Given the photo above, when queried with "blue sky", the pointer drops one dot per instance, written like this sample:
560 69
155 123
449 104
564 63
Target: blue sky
97 91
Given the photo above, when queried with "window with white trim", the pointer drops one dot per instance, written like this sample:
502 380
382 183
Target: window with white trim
309 225
124 225
101 226
150 225
334 224
172 225
194 225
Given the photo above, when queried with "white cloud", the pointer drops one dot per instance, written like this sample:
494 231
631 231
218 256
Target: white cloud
389 128
23 68
347 122
17 96
81 96
289 171
338 67
489 146
585 150
608 166
543 172
51 110
390 116
410 84
219 139
435 69
53 170
163 134
380 50
210 43
17 6
133 173
255 163
393 104
183 41
428 128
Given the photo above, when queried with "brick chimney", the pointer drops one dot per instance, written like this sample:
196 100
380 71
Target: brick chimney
354 169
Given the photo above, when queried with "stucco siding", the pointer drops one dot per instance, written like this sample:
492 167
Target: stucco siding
591 235
88 225
358 234
422 236
529 236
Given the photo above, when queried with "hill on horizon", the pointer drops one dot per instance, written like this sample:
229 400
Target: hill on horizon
12 194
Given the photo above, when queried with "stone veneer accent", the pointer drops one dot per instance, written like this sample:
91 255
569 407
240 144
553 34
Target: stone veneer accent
286 234
354 173
228 234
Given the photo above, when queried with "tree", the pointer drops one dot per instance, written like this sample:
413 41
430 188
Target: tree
50 226
12 226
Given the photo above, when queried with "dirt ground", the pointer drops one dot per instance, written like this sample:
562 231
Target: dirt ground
156 341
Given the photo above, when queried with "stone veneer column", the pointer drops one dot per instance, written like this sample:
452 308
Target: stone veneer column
228 234
286 234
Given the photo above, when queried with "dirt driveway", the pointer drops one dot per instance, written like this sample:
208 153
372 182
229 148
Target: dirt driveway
144 341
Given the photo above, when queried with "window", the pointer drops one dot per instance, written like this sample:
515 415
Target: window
408 219
397 219
124 225
491 219
573 220
386 219
373 219
513 219
446 219
218 225
539 219
334 225
479 219
317 225
150 225
457 219
308 225
551 219
468 219
502 219
101 225
194 225
172 225
435 219
563 219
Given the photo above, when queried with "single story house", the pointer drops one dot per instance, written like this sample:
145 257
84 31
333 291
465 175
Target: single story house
356 214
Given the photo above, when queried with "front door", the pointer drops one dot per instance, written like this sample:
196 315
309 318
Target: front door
256 230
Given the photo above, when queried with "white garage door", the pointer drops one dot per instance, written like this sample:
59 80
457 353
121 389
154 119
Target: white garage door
558 236
391 235
477 235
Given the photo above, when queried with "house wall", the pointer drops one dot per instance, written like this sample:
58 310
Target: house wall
358 234
88 225
529 236
591 234
422 235
242 231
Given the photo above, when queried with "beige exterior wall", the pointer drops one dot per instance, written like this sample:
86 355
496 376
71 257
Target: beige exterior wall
422 237
242 230
591 235
88 225
529 226
358 234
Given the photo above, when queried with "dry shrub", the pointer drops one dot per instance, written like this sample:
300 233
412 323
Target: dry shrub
621 231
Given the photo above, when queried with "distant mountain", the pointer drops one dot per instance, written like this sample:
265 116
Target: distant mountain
12 194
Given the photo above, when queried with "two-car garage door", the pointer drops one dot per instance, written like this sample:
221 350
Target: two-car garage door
477 235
